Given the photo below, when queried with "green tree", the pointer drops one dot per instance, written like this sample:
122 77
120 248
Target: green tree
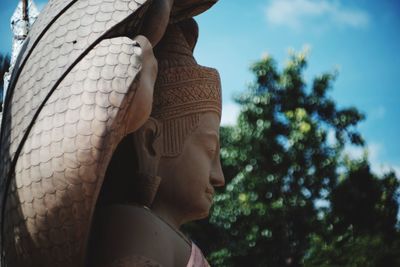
361 226
4 66
364 202
278 163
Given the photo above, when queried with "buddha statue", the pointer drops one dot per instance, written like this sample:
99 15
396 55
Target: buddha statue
139 213
84 134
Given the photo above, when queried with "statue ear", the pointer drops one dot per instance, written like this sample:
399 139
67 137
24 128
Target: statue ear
148 138
147 145
152 134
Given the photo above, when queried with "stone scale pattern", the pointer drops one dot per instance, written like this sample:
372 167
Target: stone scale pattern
48 189
48 14
60 47
61 93
64 158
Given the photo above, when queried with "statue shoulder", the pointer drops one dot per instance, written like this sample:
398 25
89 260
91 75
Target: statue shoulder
127 232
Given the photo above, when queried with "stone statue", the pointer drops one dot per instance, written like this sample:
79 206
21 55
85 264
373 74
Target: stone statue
83 83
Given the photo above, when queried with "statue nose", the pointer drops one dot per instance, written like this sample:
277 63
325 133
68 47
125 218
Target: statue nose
217 178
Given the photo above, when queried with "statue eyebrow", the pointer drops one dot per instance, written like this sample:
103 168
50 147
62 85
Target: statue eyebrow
209 134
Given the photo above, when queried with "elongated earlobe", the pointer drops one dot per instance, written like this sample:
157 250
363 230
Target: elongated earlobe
146 141
152 137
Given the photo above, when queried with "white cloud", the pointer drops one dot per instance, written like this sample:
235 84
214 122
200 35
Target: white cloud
377 166
296 14
230 112
354 152
374 151
385 168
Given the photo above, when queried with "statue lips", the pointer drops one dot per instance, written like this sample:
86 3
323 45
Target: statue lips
210 193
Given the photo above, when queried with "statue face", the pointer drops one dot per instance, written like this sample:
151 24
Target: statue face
188 180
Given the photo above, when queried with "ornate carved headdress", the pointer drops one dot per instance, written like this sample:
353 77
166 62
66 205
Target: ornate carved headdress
183 90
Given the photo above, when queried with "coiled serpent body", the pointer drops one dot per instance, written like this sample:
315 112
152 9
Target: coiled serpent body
71 91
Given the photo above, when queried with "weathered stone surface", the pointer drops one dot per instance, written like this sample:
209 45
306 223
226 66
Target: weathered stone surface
68 106
56 166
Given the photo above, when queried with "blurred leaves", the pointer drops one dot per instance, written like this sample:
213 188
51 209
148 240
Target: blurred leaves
279 164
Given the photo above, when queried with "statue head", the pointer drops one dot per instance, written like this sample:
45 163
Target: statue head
172 162
187 105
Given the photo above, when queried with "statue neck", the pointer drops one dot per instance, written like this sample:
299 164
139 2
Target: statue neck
172 219
168 214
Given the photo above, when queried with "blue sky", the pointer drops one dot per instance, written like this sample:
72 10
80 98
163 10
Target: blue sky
361 38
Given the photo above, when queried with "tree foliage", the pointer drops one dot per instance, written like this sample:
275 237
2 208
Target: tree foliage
361 227
283 158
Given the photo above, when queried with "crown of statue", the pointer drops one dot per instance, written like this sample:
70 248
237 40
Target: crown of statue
183 89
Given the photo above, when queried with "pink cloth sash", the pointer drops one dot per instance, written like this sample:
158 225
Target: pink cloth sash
197 258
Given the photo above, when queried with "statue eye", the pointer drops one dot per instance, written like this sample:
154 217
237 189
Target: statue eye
210 144
211 151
